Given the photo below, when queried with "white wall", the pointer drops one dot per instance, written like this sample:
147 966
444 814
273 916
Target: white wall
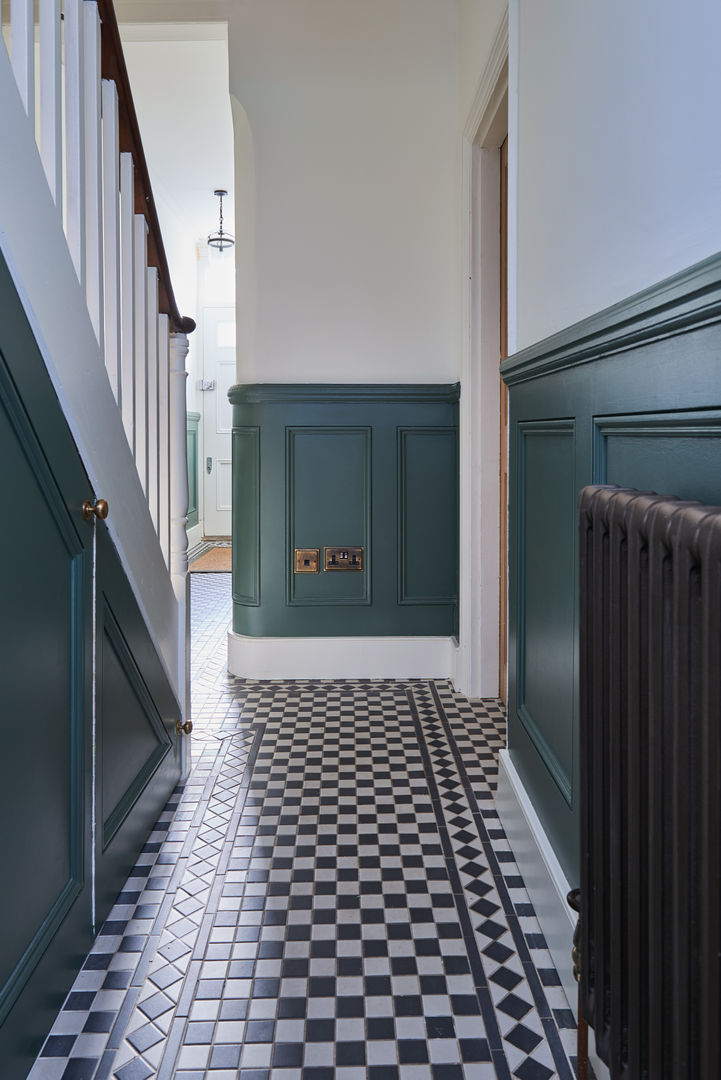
619 155
347 189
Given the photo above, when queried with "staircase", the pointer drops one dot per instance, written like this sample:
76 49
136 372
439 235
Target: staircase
79 232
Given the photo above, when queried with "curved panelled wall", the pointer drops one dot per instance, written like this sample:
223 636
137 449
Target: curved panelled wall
632 397
361 466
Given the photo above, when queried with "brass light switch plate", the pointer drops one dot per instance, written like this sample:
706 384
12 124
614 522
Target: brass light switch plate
343 558
306 560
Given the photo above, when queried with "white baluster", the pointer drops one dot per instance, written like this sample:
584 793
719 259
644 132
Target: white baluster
164 435
178 464
74 136
127 295
22 51
111 234
179 521
141 344
93 165
151 369
51 125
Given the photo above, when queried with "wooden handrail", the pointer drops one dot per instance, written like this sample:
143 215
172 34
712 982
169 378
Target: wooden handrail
113 67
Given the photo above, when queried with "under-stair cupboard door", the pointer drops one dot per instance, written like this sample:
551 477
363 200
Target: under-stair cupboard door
45 697
137 745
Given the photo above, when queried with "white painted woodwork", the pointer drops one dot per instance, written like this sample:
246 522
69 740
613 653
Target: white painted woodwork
22 51
111 233
140 447
61 324
127 295
178 464
340 657
74 135
151 376
51 132
164 436
546 884
92 151
219 365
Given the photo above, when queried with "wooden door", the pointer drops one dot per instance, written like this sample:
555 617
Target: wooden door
503 509
45 697
46 705
138 748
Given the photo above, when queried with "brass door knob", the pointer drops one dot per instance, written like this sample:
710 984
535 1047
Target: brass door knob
99 508
187 727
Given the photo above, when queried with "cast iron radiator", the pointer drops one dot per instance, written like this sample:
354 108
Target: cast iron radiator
650 714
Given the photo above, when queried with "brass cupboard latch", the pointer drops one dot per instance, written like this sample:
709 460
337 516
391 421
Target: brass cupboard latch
99 508
186 727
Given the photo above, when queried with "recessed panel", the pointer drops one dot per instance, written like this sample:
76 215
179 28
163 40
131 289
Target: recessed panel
328 473
42 718
223 484
670 454
427 516
546 593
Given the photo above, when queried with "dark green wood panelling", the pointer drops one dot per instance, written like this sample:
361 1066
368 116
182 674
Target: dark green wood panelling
246 524
329 503
427 516
545 676
45 625
138 750
193 420
328 472
639 385
679 452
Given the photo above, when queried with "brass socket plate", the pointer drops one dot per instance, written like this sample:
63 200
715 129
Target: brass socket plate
343 558
306 560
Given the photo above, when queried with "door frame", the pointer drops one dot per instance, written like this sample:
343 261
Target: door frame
477 657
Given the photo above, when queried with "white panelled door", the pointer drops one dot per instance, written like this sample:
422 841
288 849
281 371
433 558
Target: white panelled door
218 376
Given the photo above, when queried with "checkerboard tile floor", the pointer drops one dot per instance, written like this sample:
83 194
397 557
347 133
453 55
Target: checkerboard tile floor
330 894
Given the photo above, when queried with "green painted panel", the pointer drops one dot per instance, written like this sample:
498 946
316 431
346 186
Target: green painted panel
427 516
193 421
545 577
246 522
138 750
328 493
134 741
45 627
671 454
328 474
639 383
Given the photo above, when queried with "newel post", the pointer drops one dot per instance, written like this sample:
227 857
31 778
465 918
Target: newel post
179 507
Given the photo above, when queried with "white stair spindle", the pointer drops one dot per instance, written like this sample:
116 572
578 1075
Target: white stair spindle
178 465
151 367
22 51
74 136
93 164
127 296
164 436
51 124
111 234
141 345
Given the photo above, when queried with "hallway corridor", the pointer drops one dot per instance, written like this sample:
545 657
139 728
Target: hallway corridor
330 894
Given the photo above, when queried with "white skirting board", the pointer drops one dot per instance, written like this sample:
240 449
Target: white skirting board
341 657
545 881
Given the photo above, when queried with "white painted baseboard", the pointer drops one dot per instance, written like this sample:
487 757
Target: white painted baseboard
545 881
341 657
195 535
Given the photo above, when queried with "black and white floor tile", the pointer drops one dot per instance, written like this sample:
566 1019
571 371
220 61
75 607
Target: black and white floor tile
330 894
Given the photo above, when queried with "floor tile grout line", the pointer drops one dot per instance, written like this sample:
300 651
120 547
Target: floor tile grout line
563 1066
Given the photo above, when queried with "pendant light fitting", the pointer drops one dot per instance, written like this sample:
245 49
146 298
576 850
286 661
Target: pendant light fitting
220 239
